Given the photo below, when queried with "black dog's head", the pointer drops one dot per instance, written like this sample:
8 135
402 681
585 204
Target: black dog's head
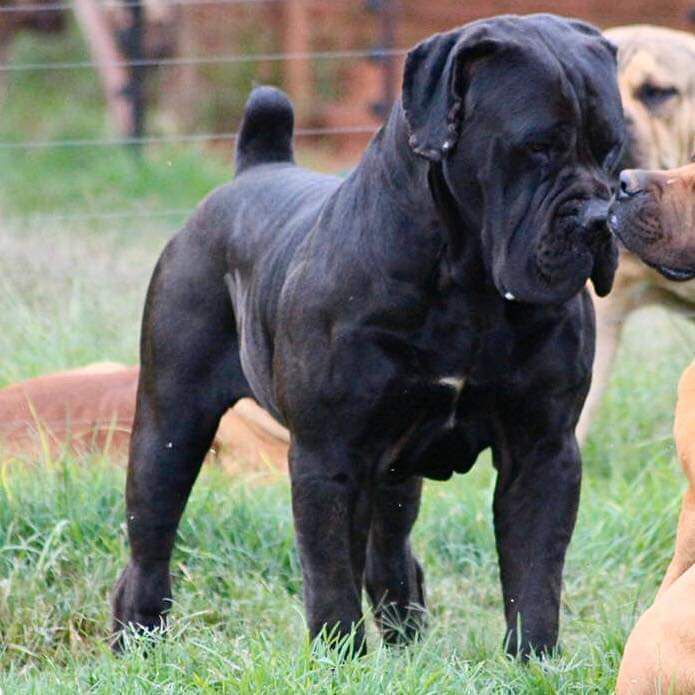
524 117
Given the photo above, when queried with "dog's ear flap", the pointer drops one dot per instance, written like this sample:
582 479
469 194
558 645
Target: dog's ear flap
434 86
591 30
605 265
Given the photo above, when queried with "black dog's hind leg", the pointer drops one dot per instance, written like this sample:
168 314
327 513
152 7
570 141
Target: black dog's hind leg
393 577
190 375
535 508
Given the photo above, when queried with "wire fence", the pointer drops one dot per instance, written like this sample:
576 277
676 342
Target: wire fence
124 4
379 53
172 139
106 215
371 54
384 52
169 215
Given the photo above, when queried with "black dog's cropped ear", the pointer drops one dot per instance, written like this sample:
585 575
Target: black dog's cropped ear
605 265
434 84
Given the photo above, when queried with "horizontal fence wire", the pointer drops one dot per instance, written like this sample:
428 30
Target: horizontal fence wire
171 139
113 215
40 217
371 53
70 143
116 4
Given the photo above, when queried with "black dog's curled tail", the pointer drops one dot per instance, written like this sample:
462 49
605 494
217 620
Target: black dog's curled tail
266 130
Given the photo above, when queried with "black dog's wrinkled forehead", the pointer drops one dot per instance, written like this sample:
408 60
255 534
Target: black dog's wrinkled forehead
567 71
543 68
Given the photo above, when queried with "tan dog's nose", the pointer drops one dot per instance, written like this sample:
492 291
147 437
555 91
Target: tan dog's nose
630 183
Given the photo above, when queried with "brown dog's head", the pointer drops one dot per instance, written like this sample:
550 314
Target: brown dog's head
656 76
654 216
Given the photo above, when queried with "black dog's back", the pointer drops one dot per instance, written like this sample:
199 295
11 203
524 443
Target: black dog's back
266 131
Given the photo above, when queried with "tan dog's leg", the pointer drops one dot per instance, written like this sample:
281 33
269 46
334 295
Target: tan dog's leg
611 314
684 555
634 287
658 653
684 435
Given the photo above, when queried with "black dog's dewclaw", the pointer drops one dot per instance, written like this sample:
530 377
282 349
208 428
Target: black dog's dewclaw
368 315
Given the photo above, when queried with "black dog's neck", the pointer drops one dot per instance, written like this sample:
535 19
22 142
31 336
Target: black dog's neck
419 188
404 172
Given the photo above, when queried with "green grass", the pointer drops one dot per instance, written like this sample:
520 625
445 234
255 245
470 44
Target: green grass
71 292
237 621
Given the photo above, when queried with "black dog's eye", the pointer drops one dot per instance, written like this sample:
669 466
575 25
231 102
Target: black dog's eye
539 150
653 97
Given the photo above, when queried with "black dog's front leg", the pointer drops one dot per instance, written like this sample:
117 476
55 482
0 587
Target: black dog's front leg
325 499
393 577
535 509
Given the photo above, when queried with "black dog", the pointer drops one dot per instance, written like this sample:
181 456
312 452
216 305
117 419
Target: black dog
400 321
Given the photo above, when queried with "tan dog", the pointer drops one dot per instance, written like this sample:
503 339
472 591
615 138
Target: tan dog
659 655
654 216
656 74
92 409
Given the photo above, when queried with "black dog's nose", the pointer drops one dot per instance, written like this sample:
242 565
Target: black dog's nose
595 216
629 184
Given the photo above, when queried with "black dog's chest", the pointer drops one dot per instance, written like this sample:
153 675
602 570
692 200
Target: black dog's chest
444 426
457 383
447 404
464 341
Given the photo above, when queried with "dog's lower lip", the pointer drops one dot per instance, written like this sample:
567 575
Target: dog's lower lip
676 274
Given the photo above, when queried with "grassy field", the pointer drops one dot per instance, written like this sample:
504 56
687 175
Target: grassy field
71 291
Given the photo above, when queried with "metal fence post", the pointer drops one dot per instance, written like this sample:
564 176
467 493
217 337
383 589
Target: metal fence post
387 10
132 43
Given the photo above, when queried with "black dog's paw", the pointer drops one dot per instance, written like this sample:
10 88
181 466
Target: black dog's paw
345 640
139 603
520 645
401 625
400 621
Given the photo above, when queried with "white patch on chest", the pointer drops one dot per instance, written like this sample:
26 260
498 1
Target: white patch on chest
457 383
454 382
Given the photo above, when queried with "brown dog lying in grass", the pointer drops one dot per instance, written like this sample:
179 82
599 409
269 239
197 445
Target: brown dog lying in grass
91 409
654 216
